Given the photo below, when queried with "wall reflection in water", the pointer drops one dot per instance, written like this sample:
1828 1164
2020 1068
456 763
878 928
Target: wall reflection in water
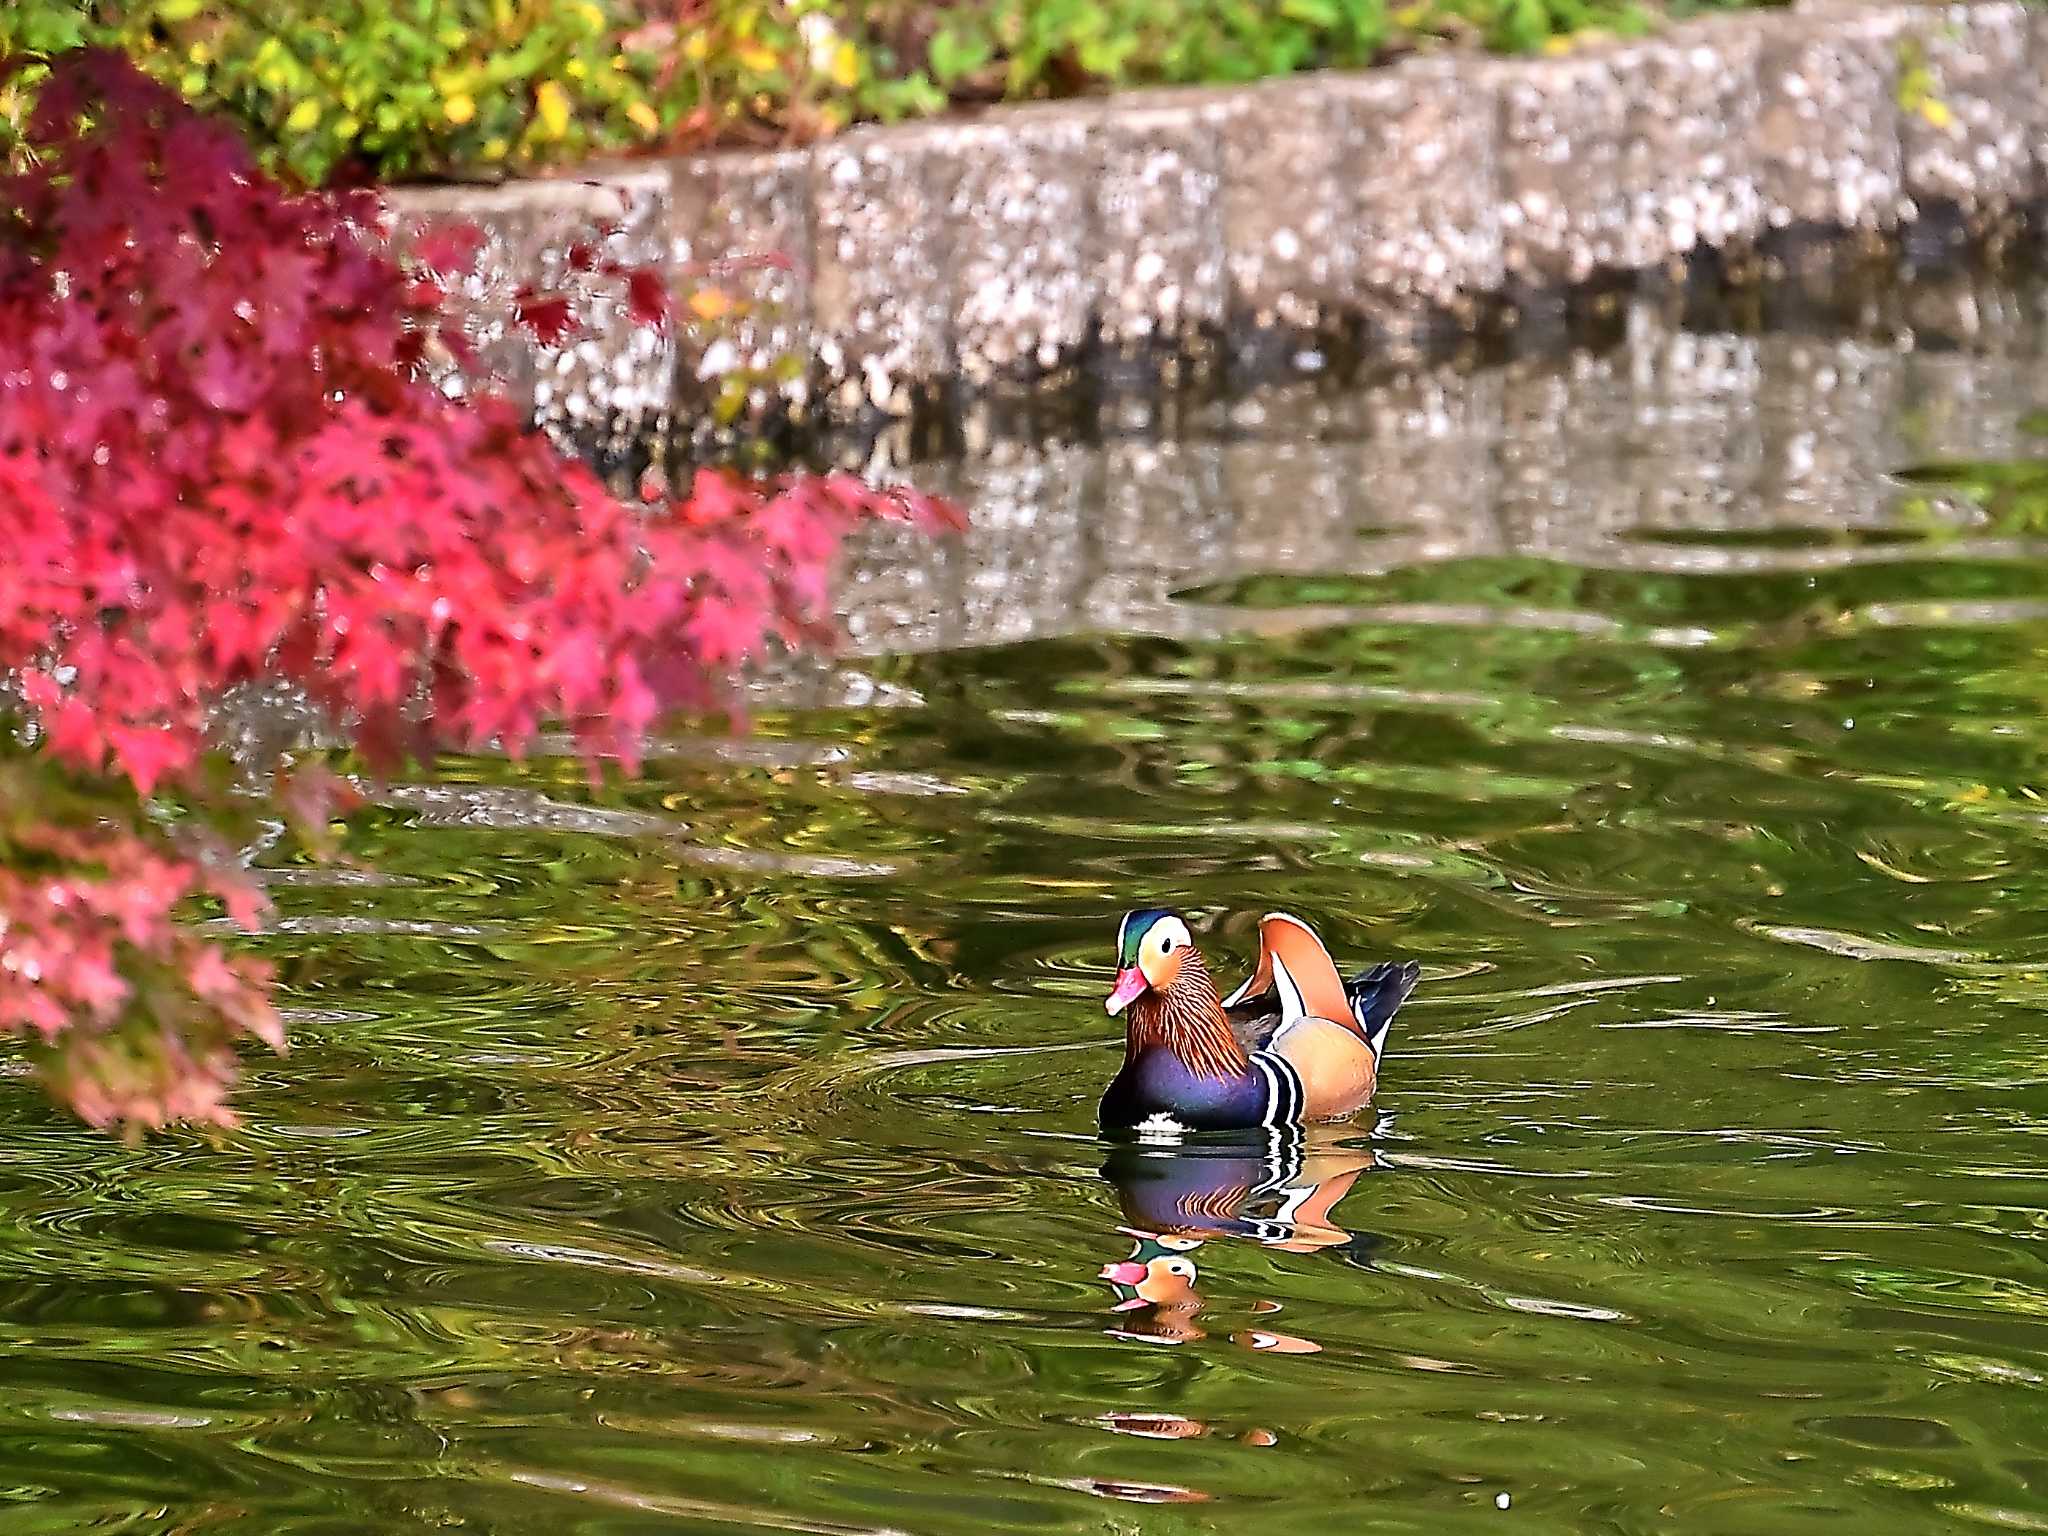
1630 457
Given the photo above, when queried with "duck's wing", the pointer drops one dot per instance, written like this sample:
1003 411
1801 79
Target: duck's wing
1295 979
1254 1019
1254 1008
1376 995
1337 1061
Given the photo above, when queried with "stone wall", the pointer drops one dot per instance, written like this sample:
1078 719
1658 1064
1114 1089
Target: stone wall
997 251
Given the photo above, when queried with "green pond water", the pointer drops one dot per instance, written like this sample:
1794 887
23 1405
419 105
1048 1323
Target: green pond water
716 1152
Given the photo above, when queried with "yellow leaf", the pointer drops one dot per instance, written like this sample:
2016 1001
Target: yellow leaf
593 17
495 149
460 107
304 117
644 117
846 66
576 69
1973 795
758 58
697 47
552 102
710 303
1936 112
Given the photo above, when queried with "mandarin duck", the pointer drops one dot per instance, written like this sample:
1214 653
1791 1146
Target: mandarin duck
1294 1043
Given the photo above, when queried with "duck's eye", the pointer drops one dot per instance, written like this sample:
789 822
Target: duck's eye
1180 1267
1166 943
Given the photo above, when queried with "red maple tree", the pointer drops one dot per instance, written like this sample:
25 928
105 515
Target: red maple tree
221 461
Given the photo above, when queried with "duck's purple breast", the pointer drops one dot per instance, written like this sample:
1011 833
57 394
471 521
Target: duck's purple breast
1158 1083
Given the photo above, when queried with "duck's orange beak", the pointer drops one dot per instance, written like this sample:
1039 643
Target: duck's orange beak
1130 985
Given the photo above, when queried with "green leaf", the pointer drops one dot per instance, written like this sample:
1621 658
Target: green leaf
955 53
1317 13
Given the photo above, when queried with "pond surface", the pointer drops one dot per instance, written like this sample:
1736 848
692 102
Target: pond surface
715 1153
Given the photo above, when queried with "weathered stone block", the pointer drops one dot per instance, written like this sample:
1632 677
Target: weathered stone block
1967 96
1020 208
741 223
1285 203
1826 139
1687 157
1159 219
611 382
1417 147
1566 196
880 301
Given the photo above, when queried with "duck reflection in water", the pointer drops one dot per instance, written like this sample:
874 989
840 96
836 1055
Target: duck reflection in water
1278 1193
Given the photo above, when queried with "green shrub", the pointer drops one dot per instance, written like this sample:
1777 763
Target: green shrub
797 68
403 89
390 89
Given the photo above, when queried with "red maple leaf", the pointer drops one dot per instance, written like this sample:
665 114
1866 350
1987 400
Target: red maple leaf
449 248
224 458
547 316
647 297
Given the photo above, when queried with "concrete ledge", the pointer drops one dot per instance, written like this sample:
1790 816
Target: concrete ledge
1394 203
1024 276
881 296
1158 215
743 222
1826 141
1419 149
1965 140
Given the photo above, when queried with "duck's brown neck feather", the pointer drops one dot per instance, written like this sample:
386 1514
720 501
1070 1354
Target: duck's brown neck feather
1187 1018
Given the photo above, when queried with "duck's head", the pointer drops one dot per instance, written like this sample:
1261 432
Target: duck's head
1152 1278
1151 945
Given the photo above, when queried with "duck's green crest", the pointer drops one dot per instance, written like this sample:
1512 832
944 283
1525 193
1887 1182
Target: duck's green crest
1131 933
